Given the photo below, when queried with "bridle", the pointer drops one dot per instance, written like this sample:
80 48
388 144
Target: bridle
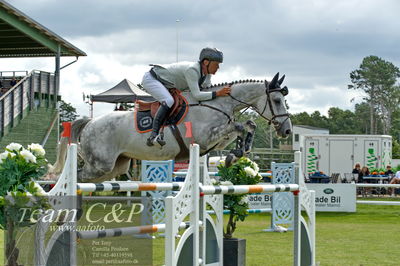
268 91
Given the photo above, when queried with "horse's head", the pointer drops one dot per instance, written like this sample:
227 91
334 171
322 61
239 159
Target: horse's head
272 106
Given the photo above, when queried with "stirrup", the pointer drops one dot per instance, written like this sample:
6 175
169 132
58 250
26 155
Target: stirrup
159 138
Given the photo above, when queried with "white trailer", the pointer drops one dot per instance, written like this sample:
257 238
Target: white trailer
339 153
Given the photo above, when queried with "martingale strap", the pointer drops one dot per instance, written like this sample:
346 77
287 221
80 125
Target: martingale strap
184 151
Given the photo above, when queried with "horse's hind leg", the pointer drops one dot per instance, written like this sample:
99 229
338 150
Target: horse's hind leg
89 173
121 167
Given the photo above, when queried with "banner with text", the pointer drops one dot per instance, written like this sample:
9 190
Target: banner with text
334 197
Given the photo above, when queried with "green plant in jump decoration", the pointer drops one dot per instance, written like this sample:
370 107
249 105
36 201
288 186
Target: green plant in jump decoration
311 161
19 195
243 172
371 158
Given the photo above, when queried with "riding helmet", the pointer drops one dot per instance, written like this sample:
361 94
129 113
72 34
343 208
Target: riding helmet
212 54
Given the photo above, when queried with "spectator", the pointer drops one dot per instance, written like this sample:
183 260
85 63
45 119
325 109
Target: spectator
13 82
395 180
357 168
1 84
389 170
364 172
3 90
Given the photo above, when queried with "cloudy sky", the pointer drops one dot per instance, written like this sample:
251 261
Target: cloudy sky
315 43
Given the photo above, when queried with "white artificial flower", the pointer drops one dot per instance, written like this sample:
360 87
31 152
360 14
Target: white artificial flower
226 183
244 200
40 190
28 156
5 154
249 171
37 149
255 167
14 146
213 181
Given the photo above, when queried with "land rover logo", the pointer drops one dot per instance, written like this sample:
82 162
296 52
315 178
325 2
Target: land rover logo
145 122
328 191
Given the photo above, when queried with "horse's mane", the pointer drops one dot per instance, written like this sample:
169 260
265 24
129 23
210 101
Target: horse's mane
219 85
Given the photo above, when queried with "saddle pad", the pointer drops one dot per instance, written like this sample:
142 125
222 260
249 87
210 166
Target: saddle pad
144 120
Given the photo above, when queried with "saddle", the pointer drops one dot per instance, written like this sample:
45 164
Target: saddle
145 112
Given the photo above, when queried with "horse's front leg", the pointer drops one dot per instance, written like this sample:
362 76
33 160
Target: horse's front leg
251 130
243 144
222 135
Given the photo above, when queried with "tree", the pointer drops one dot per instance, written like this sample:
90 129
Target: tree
395 149
377 78
342 121
362 118
67 112
314 120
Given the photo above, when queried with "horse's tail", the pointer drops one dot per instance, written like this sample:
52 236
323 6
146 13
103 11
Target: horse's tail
76 130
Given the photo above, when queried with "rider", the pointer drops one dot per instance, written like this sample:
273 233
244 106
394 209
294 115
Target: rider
182 76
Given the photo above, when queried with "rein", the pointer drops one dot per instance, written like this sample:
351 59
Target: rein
214 108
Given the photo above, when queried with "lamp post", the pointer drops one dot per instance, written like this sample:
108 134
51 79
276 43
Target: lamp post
177 39
87 99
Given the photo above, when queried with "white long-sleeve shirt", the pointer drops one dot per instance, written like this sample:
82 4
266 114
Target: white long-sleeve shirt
184 76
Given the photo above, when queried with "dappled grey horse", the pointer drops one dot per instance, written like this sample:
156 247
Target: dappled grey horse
109 142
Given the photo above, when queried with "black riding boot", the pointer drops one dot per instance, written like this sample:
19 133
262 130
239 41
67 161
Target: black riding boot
158 121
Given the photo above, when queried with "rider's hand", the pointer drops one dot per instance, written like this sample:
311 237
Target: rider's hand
224 91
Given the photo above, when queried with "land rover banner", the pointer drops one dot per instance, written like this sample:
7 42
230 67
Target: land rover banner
334 197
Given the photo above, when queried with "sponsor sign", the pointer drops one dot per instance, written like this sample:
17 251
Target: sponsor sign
334 197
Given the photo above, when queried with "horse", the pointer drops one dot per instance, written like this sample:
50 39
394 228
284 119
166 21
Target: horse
108 143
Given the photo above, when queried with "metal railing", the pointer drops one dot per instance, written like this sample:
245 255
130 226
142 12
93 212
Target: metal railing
10 74
18 100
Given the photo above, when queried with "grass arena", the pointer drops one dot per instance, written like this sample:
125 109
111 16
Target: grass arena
361 238
200 242
339 236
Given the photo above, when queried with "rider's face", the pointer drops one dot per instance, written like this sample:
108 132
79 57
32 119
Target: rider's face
211 66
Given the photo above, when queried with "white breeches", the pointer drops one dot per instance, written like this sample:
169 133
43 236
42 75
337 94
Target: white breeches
157 89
